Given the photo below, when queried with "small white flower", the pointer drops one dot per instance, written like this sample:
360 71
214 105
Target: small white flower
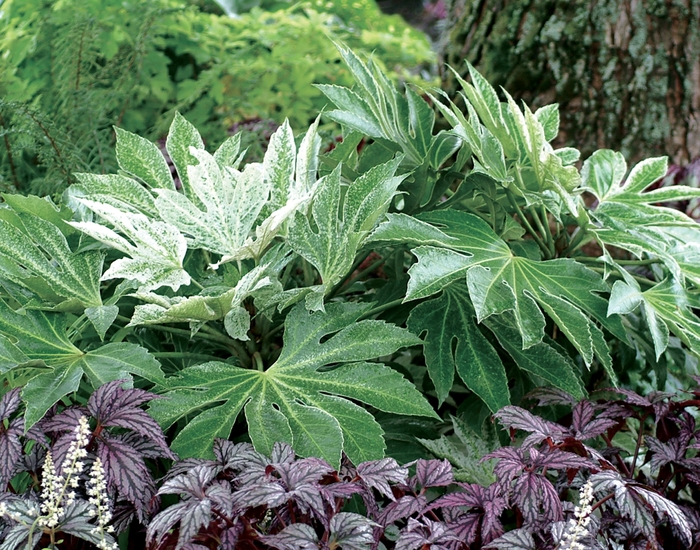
578 528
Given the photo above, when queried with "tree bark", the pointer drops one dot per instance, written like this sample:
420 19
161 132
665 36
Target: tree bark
626 73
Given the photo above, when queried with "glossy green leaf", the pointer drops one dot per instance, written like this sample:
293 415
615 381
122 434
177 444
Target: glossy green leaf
500 281
293 399
667 308
453 341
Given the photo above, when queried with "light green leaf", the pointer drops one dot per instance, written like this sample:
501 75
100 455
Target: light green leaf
465 451
140 158
667 308
10 355
42 207
451 318
156 250
548 117
35 248
229 152
295 400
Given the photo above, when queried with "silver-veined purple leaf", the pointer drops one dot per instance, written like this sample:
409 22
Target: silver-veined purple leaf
351 531
434 473
378 473
517 539
126 471
298 536
402 508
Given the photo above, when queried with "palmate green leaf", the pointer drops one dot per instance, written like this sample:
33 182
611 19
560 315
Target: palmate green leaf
499 281
666 307
156 249
300 399
450 318
632 219
329 242
34 253
181 137
57 365
379 111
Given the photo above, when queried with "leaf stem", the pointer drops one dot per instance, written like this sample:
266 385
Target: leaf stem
341 283
648 261
577 239
381 308
528 226
184 355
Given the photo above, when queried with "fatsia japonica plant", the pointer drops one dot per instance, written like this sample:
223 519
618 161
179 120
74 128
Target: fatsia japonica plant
267 301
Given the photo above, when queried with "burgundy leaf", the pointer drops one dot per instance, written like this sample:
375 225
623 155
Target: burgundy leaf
147 447
271 494
65 421
192 515
303 471
664 507
351 531
282 453
466 526
219 492
110 398
511 462
416 534
192 484
517 539
298 536
540 429
377 474
9 403
10 449
546 396
184 466
237 456
402 508
557 459
537 499
342 489
664 453
126 471
434 473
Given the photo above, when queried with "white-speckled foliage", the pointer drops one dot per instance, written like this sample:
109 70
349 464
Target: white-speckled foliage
270 296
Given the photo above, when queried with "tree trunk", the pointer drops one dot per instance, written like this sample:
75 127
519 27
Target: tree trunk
626 73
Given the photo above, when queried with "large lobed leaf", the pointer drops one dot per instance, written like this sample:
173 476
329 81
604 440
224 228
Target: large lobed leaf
299 399
56 365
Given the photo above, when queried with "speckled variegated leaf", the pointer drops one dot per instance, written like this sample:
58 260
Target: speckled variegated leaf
231 201
141 158
214 303
58 365
35 251
181 137
292 399
331 246
156 248
114 189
